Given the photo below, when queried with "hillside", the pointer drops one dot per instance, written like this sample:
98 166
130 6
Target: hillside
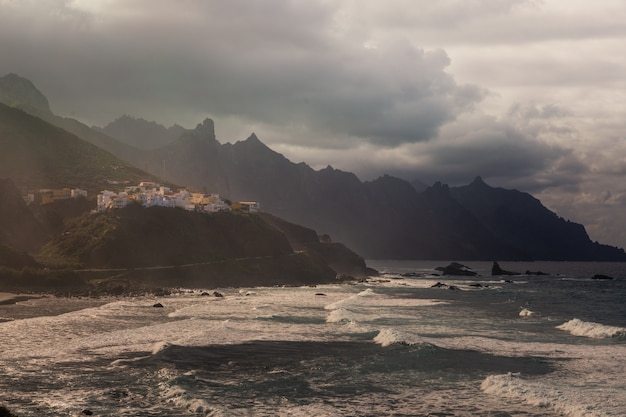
19 229
176 247
21 93
141 237
36 155
138 248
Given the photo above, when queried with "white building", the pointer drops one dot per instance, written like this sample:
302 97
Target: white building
150 194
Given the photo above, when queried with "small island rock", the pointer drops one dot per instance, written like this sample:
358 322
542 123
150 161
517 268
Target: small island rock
496 270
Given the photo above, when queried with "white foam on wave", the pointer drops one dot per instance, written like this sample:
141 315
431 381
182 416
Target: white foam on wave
177 396
340 315
526 313
160 347
387 337
593 330
371 299
562 399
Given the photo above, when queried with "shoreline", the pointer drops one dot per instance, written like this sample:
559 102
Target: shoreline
7 298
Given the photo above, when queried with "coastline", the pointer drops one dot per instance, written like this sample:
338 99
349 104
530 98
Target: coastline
7 298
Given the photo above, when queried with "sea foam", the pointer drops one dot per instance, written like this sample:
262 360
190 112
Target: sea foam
593 330
387 337
517 387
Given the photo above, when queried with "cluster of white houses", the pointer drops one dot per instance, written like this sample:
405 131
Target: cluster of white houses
147 194
152 194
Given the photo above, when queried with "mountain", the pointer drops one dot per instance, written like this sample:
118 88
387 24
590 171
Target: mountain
191 160
36 155
21 93
141 133
384 218
522 221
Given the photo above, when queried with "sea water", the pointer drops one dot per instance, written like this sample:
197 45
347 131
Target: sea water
393 345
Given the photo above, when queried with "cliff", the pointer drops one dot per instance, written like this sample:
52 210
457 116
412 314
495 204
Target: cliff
520 220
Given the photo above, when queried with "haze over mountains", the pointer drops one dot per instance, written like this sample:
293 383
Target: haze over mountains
385 218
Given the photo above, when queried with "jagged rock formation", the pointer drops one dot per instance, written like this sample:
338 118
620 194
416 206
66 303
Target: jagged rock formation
384 218
19 92
141 133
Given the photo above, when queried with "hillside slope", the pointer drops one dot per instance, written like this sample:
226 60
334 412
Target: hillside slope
175 247
36 155
19 229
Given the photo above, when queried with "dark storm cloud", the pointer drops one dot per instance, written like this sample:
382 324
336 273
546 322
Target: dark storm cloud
272 62
496 150
526 93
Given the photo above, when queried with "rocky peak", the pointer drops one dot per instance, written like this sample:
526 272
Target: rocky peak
20 92
206 128
478 182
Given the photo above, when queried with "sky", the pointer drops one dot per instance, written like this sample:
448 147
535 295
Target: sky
528 94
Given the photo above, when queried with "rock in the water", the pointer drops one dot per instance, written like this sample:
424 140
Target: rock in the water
87 412
600 276
525 313
496 270
534 273
456 268
158 305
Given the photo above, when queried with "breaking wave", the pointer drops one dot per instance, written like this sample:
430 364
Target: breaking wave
517 387
593 330
387 337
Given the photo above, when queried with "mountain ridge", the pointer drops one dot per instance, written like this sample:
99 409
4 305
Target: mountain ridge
141 133
384 218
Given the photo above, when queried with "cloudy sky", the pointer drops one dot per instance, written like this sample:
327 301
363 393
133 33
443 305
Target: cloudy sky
529 94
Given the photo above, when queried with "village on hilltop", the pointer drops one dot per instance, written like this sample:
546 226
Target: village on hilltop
147 194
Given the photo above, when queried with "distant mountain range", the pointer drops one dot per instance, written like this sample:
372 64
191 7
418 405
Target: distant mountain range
385 218
141 133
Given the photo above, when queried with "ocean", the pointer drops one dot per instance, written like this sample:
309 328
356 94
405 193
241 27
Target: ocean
393 345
